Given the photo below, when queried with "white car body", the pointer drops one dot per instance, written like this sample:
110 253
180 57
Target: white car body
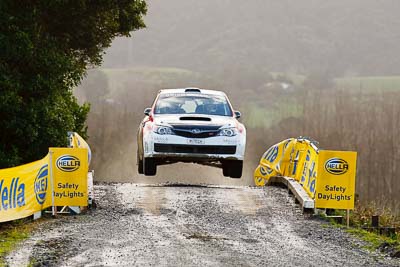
150 139
210 139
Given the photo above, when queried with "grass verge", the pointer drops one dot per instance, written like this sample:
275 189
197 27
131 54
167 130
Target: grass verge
389 245
360 218
13 233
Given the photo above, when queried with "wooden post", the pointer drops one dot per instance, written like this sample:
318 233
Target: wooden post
375 221
348 218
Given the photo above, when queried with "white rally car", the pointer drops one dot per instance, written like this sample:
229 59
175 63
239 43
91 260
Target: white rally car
191 125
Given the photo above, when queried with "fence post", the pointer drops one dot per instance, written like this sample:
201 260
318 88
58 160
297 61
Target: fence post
375 221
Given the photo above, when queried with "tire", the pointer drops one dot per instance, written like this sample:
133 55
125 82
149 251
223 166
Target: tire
139 164
232 168
226 169
149 167
140 167
236 169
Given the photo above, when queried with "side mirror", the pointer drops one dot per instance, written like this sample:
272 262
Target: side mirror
147 111
238 114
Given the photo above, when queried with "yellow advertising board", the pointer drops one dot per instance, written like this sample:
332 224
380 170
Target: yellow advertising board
336 179
69 167
24 190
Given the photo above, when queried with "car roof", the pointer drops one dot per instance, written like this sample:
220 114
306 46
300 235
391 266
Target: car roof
191 90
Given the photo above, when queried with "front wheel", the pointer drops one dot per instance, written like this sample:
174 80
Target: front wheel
226 168
149 166
232 168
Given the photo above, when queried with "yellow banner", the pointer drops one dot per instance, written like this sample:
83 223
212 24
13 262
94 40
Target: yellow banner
70 168
309 164
78 142
274 162
24 190
336 179
296 158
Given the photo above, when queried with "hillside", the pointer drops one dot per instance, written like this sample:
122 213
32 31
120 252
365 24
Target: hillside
351 37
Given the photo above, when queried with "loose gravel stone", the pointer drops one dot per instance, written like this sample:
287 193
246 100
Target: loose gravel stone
139 225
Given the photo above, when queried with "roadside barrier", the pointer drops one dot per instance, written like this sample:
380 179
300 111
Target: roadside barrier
59 179
327 177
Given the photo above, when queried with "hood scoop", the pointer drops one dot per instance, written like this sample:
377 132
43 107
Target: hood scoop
194 118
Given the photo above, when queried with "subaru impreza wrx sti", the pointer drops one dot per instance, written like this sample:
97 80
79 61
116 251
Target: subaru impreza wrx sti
191 125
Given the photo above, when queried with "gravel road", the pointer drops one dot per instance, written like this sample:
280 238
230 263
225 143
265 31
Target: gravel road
192 226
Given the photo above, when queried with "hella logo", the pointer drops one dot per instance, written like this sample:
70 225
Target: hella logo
336 166
68 163
263 171
40 185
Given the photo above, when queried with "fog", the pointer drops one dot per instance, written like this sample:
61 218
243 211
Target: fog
343 37
324 69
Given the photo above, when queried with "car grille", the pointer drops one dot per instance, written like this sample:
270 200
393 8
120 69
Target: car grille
194 149
195 135
192 131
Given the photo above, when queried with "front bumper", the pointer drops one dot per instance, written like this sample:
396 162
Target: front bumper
194 149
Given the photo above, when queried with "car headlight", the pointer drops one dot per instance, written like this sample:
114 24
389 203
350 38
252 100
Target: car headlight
163 130
228 132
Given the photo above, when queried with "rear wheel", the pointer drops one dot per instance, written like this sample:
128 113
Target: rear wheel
149 167
139 164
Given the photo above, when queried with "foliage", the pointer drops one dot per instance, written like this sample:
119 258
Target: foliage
361 215
45 49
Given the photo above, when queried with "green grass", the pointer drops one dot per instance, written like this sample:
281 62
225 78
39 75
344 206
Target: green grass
370 83
152 75
11 234
361 217
297 79
149 71
374 240
178 77
364 83
121 80
258 116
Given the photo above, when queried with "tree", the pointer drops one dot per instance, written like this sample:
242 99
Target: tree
45 50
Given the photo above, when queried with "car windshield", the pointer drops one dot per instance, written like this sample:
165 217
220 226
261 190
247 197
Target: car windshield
192 104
